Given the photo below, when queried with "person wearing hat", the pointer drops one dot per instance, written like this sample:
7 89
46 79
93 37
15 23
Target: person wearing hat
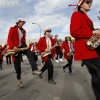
1 58
34 50
67 46
2 54
81 28
59 53
8 57
17 39
44 44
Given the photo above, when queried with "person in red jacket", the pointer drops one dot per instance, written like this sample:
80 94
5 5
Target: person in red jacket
17 39
1 58
44 44
67 46
2 54
34 50
81 28
59 53
8 57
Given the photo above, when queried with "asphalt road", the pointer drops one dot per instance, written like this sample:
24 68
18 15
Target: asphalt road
68 87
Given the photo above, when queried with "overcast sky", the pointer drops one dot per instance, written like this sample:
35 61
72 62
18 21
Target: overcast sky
54 14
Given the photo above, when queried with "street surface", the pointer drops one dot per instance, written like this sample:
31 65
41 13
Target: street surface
68 87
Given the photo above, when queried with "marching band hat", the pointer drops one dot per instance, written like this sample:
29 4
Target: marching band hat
80 2
20 20
47 29
68 35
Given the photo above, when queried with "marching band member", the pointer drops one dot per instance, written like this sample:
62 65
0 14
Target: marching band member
1 55
58 51
67 46
81 28
1 58
16 39
8 57
34 50
44 44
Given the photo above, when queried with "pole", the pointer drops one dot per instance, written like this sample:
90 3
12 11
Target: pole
39 28
98 16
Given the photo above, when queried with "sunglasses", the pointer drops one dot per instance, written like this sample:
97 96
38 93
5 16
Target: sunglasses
88 1
48 31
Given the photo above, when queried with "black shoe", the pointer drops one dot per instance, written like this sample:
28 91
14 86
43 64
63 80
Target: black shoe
52 82
63 69
82 65
40 76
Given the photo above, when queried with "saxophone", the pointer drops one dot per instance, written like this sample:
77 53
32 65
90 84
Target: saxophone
48 52
70 53
12 52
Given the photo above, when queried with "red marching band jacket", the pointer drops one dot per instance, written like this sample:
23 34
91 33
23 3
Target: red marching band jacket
1 51
54 40
42 46
30 46
33 48
81 28
66 48
13 38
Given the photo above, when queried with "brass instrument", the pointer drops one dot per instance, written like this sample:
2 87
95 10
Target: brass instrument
70 53
12 52
45 53
93 42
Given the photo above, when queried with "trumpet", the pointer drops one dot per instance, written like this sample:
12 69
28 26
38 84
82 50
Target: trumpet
12 52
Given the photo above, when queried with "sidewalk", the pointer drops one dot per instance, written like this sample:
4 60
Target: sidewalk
68 87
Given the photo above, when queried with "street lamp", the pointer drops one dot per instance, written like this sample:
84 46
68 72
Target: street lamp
98 16
39 28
